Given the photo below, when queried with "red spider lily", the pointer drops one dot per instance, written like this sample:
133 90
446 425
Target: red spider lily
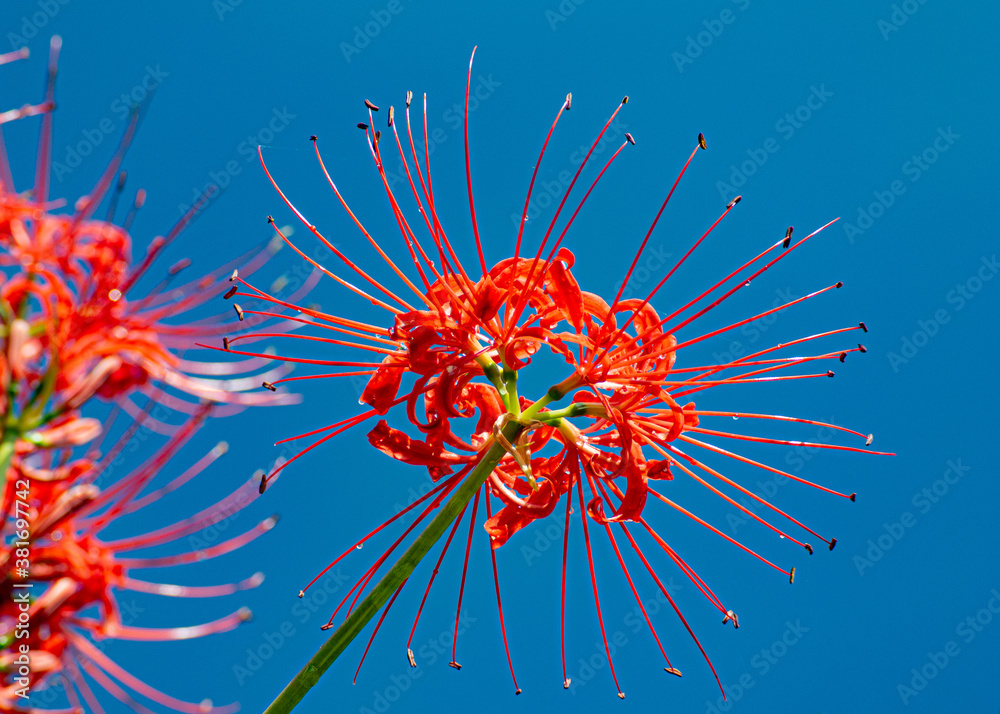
461 334
73 570
73 321
73 326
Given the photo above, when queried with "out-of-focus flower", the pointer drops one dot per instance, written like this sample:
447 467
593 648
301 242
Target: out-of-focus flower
457 338
77 578
75 326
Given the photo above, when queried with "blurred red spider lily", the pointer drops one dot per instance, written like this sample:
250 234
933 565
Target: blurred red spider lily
75 326
72 321
460 335
73 570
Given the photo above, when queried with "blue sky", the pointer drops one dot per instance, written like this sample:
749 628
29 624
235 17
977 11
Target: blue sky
883 114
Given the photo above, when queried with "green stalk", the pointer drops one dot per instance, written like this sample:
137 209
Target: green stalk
309 675
6 453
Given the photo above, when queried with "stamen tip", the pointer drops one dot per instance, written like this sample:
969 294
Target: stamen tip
861 348
734 202
409 652
853 497
788 238
392 115
673 670
839 285
236 272
239 311
629 139
809 549
454 664
869 439
225 343
569 101
625 99
302 593
621 695
791 577
843 356
230 293
263 484
517 691
362 126
409 98
829 373
701 141
863 326
371 106
268 385
566 683
325 627
833 543
312 137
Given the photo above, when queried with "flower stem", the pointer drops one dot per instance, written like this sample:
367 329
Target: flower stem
309 675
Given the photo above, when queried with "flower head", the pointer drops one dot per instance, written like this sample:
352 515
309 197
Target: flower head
610 437
75 326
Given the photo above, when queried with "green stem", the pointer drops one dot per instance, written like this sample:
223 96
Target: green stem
6 453
309 675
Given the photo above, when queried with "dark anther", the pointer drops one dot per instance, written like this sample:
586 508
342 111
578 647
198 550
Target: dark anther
839 285
378 135
701 141
861 348
625 99
268 385
833 543
791 577
843 356
788 237
312 137
809 549
371 106
734 202
829 373
225 343
853 497
863 326
230 292
263 484
270 220
629 139
362 126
